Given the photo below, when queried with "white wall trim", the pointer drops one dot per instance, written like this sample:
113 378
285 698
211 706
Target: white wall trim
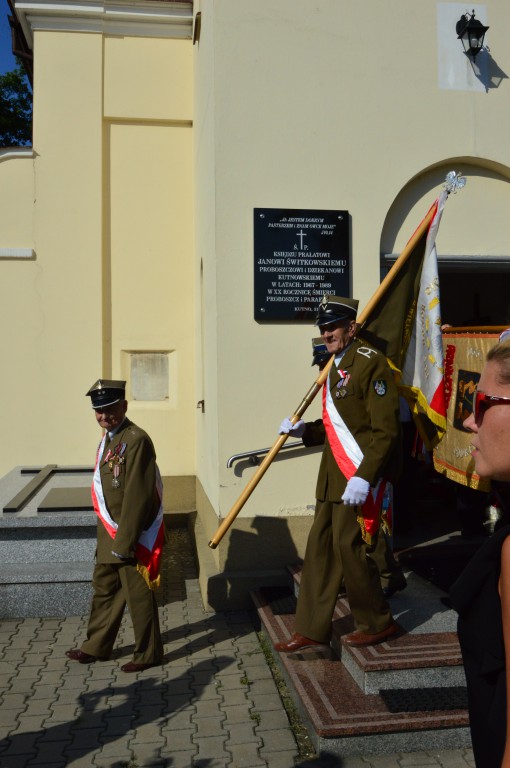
143 19
17 253
8 153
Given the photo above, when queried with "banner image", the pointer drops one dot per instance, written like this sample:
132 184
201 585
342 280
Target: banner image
464 356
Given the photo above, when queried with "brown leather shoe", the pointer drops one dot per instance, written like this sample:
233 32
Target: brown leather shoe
362 638
83 658
298 643
132 666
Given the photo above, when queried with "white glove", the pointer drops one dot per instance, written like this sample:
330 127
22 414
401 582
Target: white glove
288 428
356 491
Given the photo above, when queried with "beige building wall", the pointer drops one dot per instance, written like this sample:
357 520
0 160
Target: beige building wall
105 202
324 106
149 246
150 154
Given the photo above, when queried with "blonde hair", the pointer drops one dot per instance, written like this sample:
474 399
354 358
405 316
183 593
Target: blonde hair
500 354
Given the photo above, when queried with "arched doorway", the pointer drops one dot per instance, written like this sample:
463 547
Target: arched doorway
473 245
473 241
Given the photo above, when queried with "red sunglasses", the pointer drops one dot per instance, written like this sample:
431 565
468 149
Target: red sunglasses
482 401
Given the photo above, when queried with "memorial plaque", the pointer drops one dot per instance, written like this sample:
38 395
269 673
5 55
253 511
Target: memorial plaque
299 255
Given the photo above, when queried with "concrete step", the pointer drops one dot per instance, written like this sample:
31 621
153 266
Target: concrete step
48 533
34 573
397 696
45 589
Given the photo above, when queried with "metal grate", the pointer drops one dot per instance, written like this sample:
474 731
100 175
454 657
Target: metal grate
425 699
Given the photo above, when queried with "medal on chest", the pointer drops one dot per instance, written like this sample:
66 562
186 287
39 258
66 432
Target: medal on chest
341 390
115 460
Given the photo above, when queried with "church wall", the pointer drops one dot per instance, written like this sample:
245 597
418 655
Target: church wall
106 204
150 155
51 337
335 106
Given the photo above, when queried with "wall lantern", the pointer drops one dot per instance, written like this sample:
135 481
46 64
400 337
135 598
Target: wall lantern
471 32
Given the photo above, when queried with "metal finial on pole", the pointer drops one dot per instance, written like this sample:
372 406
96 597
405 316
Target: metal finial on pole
454 181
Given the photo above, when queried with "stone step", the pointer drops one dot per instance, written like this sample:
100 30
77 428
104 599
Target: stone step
49 571
425 655
343 717
48 533
45 589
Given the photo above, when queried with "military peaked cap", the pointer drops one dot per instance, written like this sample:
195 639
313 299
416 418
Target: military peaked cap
332 309
106 392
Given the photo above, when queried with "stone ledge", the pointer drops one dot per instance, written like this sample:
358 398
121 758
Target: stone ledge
45 599
48 572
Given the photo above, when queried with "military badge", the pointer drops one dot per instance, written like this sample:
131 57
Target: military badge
380 387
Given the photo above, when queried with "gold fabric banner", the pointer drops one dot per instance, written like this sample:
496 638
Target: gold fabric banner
464 357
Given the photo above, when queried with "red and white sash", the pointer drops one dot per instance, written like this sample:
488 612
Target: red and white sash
348 456
149 547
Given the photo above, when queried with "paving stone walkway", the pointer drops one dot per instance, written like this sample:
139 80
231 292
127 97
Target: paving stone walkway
212 704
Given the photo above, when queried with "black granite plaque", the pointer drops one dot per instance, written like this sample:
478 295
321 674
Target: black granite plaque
299 256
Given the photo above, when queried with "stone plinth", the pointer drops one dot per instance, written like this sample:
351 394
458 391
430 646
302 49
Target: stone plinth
47 542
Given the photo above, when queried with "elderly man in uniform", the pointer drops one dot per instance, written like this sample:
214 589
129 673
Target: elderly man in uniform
390 571
127 497
360 430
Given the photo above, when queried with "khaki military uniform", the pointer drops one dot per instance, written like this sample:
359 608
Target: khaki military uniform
133 505
335 547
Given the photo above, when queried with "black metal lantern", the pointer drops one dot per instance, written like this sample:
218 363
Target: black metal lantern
471 32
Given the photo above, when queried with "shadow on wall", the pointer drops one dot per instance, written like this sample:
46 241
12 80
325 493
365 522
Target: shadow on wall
253 560
486 70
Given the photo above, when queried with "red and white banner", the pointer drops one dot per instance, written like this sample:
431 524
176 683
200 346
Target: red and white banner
422 379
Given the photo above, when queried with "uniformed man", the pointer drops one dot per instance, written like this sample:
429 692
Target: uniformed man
127 498
390 571
360 430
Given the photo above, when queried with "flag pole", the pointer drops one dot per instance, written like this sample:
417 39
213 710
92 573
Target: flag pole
268 458
317 385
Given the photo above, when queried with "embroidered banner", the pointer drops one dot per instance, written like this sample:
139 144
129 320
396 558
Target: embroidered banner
464 357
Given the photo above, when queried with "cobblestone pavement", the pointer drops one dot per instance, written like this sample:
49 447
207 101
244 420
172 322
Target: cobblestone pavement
212 704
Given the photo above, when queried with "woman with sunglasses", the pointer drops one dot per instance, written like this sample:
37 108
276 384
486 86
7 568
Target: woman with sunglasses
481 595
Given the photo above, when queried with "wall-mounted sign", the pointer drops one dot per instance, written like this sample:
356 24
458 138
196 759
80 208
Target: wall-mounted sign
299 255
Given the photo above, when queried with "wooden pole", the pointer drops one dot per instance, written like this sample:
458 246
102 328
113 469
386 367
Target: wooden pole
317 385
268 458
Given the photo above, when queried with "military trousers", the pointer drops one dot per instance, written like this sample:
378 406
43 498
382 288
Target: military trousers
336 550
116 585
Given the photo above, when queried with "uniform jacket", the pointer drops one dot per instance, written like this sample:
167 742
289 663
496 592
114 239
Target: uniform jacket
134 505
372 418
